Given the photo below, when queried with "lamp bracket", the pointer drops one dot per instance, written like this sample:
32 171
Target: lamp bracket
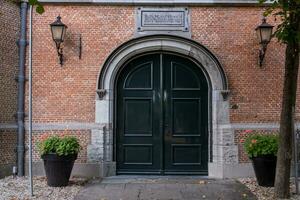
262 53
80 46
59 52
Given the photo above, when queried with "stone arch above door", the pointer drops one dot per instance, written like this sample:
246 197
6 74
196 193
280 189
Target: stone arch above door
222 148
180 45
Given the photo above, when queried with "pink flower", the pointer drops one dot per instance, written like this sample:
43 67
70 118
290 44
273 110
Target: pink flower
253 141
242 140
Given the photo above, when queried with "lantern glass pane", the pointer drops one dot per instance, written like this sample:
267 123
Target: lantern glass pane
57 32
266 34
258 32
63 33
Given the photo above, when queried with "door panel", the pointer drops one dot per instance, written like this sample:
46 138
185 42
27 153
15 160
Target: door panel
140 77
183 77
162 117
138 154
139 117
186 154
185 110
183 123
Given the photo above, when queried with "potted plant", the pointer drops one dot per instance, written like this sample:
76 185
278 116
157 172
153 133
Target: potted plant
262 150
59 155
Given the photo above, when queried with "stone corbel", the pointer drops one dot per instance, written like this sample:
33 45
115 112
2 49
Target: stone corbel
101 93
225 94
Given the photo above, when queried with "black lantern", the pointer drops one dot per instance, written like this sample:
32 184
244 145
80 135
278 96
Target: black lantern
58 30
264 34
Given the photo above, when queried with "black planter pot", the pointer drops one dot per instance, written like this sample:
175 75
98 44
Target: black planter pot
265 168
58 169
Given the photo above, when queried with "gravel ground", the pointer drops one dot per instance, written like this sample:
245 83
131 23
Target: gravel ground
265 193
18 189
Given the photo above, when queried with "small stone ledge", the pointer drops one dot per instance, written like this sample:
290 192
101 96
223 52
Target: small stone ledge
163 2
253 126
66 125
8 126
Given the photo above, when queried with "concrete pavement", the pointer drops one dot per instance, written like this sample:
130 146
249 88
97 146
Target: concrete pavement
164 188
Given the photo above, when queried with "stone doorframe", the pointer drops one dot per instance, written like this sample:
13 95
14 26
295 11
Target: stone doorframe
223 152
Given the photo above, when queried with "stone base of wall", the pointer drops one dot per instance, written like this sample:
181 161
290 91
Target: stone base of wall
96 158
91 170
88 170
6 170
108 169
230 171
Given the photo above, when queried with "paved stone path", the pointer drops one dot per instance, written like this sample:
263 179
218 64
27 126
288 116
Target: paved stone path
164 188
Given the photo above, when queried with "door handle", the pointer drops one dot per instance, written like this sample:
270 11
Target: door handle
158 94
165 95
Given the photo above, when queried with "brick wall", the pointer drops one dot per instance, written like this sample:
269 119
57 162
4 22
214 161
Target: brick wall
7 147
227 31
9 31
67 93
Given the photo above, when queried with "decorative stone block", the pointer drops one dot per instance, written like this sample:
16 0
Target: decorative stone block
95 154
230 155
168 20
102 111
97 137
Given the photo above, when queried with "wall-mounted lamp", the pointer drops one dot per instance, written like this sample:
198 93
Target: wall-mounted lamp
58 30
264 33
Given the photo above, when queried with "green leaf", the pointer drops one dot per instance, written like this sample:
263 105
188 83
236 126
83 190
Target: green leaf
33 2
67 145
40 9
261 144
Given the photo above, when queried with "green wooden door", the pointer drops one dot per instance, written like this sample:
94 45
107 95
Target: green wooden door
161 123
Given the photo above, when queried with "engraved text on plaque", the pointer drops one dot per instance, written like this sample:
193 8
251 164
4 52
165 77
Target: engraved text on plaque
162 19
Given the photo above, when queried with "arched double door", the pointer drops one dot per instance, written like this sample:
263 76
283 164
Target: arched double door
161 116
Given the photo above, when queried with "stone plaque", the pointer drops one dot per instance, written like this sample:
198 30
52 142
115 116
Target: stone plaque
162 19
